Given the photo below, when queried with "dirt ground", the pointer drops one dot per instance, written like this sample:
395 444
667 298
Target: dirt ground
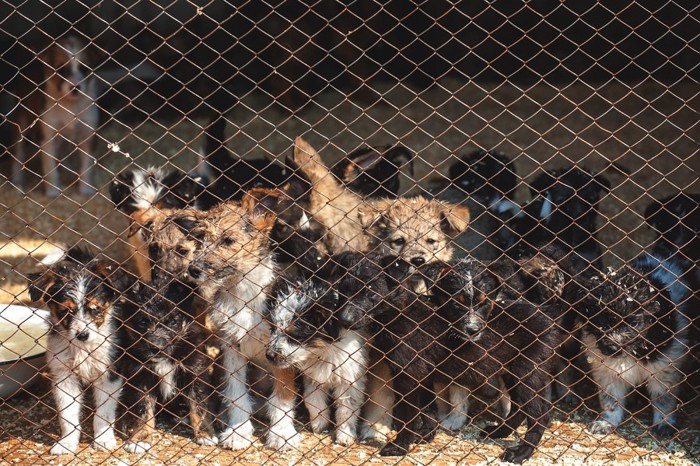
643 137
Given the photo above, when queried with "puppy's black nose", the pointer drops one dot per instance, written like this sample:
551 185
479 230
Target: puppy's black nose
83 336
418 261
273 356
194 272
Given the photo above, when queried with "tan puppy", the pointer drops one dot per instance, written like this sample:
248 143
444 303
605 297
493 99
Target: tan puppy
414 228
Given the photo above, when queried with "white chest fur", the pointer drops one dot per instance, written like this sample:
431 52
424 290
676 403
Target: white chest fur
340 363
89 362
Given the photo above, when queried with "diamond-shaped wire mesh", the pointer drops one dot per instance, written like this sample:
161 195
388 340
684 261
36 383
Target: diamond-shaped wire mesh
331 232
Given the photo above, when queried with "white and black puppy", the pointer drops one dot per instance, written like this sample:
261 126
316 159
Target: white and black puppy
57 108
307 335
165 358
82 293
637 332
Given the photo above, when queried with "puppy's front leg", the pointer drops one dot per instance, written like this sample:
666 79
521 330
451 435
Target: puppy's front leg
612 404
380 403
316 401
106 399
201 418
350 398
142 408
69 399
663 393
239 430
283 435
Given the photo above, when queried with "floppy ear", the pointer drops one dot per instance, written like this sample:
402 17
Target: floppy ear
400 155
184 189
454 219
120 190
40 283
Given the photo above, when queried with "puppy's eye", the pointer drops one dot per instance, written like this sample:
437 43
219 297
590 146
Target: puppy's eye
93 308
153 250
430 241
227 241
172 322
399 241
143 322
182 251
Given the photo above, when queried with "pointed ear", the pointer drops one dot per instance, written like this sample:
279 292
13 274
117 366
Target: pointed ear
309 162
260 204
454 219
40 283
372 213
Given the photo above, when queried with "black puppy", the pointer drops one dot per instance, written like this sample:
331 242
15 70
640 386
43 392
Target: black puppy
637 332
373 172
166 358
140 189
486 183
231 176
469 333
676 219
563 212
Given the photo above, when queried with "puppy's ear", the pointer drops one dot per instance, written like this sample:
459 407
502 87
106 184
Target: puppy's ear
184 189
372 214
309 162
399 156
79 255
120 191
454 219
261 204
40 283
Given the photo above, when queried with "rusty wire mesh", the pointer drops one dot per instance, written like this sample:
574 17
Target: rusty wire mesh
126 126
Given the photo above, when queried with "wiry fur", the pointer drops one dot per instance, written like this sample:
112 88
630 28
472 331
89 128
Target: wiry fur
60 107
165 358
306 335
233 268
636 332
85 340
148 196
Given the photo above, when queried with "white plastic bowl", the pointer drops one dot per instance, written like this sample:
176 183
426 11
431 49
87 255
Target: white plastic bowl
23 332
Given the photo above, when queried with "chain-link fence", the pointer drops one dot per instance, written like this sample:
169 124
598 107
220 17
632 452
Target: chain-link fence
319 232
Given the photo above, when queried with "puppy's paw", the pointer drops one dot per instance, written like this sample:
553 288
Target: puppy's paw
601 426
207 440
345 438
319 425
374 432
137 447
453 422
238 439
283 441
63 447
664 429
393 449
106 443
517 454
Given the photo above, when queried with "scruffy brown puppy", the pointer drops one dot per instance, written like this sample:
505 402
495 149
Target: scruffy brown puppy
416 229
233 269
57 108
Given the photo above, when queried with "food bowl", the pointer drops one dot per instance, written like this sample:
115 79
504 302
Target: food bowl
23 332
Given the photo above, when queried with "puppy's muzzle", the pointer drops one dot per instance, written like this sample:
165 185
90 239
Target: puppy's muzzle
194 272
418 261
83 336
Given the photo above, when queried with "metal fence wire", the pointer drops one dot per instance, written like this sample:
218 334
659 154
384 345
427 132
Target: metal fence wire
349 232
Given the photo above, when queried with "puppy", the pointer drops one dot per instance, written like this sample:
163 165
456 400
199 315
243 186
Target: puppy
458 338
61 105
231 176
636 332
147 196
306 335
676 219
84 342
484 182
373 172
416 227
234 269
165 358
563 212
